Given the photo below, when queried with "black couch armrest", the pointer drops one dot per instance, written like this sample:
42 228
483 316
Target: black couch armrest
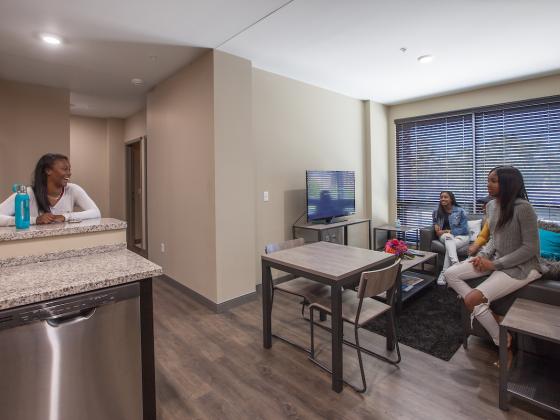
427 235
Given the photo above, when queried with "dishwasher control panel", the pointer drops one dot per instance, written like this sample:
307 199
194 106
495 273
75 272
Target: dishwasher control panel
66 305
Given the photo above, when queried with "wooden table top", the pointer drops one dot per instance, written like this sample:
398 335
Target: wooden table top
534 318
408 264
328 260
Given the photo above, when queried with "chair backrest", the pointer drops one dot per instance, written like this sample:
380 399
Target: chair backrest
270 248
372 283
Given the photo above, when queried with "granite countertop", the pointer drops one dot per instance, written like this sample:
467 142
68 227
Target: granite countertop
10 233
32 283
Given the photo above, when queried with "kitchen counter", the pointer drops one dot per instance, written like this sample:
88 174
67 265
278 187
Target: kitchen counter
10 233
31 283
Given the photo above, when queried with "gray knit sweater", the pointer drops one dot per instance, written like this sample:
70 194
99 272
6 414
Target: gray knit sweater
514 248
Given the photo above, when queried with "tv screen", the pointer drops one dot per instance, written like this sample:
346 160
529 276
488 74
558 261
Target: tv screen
330 194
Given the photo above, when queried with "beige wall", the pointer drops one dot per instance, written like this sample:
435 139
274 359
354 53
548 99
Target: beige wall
517 91
98 165
34 120
89 158
234 176
378 152
116 164
297 127
135 126
181 177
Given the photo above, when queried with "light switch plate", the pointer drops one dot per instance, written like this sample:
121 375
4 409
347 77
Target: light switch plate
265 196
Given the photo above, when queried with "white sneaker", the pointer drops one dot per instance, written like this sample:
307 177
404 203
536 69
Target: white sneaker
441 280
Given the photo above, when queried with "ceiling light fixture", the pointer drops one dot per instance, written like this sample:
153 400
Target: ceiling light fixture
424 59
137 81
51 39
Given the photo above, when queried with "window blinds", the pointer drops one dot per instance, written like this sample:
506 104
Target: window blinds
456 152
528 138
433 156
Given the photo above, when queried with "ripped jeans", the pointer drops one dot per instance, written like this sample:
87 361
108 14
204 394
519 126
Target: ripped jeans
452 243
498 285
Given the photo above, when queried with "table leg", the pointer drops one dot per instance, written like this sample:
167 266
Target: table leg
346 235
337 329
369 234
293 232
374 238
503 369
399 294
267 304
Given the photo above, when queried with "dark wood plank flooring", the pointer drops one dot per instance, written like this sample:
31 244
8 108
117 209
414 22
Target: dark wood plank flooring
213 366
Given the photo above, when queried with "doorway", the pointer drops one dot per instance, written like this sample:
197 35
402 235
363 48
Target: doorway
137 240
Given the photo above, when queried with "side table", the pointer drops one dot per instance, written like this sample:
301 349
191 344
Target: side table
321 228
531 378
393 228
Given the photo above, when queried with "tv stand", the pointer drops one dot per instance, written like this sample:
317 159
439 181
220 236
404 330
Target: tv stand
320 228
328 221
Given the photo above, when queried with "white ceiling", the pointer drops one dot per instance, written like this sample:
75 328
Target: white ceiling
107 43
353 46
350 46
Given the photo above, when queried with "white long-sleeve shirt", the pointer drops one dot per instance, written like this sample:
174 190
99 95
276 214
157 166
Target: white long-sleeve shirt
73 195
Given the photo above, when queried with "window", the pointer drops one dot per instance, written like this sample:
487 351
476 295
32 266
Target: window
456 152
528 138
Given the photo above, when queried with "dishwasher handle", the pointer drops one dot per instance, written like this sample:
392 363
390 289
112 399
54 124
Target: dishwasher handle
71 318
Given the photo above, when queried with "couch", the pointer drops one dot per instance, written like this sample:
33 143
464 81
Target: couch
544 290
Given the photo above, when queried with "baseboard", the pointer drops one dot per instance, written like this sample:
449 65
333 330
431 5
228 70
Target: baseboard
213 306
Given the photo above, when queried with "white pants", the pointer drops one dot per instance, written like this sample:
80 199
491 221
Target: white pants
498 285
451 244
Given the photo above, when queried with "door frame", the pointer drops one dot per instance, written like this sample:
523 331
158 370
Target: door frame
129 185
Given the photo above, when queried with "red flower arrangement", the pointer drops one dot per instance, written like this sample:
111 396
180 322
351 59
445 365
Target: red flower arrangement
394 246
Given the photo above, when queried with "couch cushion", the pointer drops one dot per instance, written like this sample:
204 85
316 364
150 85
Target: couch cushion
551 269
549 244
475 226
549 225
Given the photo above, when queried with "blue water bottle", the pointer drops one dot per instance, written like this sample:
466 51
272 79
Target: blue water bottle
21 212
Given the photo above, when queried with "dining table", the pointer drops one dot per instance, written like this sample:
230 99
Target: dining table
337 266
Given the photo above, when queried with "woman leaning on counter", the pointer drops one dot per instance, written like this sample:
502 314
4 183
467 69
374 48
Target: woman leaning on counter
52 198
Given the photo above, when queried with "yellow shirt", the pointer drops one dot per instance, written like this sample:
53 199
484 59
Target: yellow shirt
483 236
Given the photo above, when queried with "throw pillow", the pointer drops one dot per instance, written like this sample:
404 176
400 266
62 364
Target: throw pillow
474 229
549 244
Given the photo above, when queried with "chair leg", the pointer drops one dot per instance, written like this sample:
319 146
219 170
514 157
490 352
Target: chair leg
395 337
359 351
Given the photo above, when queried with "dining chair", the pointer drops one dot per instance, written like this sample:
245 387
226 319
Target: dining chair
359 310
306 289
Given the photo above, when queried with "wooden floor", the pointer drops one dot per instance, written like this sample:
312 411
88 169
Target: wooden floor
213 366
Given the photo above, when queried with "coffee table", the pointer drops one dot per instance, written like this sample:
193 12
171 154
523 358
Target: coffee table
393 228
531 378
415 267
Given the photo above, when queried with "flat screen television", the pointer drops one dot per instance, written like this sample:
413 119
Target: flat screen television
330 194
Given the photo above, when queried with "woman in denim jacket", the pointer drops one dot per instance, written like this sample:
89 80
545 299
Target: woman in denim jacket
450 225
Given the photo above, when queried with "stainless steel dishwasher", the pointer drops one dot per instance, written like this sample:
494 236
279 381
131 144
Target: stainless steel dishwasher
74 358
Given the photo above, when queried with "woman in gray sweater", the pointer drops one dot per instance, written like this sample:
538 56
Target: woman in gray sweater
510 257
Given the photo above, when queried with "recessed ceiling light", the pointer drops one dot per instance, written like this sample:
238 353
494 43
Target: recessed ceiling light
51 39
137 81
426 59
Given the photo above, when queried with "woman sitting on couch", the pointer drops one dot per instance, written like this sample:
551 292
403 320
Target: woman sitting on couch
450 226
511 256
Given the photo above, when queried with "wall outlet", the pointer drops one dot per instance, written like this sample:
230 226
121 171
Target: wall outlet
162 247
265 196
